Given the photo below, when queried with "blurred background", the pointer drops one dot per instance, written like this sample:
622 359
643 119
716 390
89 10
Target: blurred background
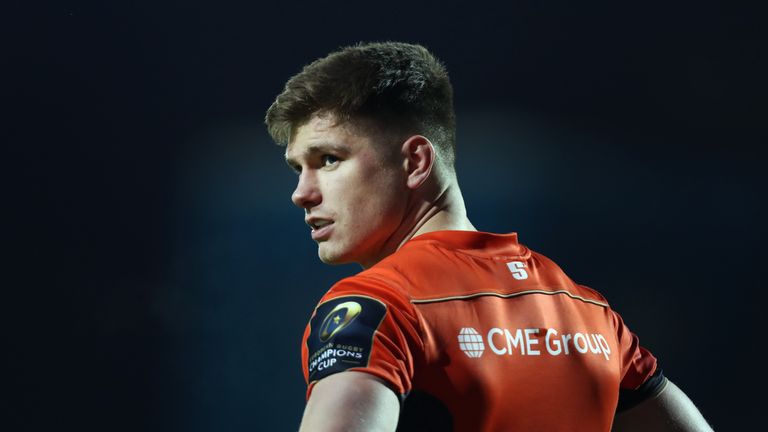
158 278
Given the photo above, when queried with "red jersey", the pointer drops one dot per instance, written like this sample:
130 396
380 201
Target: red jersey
478 333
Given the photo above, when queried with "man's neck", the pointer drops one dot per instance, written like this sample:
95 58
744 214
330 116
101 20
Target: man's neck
446 212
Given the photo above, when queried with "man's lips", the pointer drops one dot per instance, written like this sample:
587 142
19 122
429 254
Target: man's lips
321 227
322 233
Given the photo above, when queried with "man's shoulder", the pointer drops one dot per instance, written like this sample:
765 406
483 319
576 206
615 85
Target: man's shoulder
395 276
408 268
382 286
426 269
553 276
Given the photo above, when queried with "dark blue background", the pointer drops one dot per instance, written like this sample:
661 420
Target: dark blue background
159 278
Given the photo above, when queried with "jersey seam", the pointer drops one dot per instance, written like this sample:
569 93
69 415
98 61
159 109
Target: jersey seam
510 295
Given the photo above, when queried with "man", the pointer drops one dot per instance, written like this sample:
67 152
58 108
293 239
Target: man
446 328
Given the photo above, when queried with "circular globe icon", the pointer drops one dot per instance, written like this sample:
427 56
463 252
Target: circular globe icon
471 342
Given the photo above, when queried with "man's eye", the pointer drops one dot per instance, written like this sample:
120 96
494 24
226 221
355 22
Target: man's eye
329 160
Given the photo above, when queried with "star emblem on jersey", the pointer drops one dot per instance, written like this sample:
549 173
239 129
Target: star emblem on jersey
471 342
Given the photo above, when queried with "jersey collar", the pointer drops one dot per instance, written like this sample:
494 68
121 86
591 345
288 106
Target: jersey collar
475 242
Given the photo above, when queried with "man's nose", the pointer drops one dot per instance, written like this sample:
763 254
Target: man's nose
307 193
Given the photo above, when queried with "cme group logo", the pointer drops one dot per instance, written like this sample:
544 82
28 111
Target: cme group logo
471 342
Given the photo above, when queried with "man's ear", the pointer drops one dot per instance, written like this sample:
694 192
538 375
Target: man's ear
418 160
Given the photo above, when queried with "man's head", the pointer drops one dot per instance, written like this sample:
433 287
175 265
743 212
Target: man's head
389 88
365 128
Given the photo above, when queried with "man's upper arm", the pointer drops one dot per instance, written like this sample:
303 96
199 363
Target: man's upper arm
670 410
351 401
366 326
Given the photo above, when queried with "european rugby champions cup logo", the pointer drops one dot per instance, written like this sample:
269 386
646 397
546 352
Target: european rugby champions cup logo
339 318
471 342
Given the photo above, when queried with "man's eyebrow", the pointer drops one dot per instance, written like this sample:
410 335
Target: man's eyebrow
317 148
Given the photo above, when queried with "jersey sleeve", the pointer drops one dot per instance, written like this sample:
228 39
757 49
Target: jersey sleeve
362 324
637 363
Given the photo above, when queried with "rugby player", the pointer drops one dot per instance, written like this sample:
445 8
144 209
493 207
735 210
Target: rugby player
446 327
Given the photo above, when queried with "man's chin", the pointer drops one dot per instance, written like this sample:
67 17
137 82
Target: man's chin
331 256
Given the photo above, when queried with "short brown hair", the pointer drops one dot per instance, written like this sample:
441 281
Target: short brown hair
397 85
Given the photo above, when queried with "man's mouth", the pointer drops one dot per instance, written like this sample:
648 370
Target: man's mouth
320 223
321 228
